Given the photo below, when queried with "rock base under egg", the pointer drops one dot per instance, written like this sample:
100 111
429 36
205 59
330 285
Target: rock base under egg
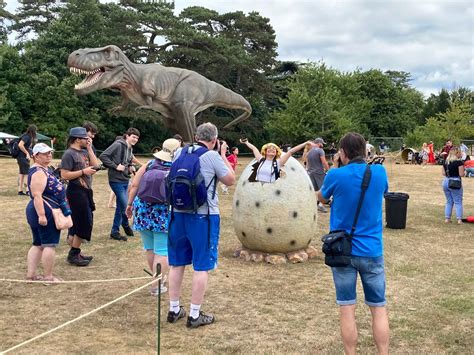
297 256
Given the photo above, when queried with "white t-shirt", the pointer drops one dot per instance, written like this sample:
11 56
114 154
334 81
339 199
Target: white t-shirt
265 171
211 165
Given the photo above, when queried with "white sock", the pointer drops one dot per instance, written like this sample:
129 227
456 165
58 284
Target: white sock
194 310
174 306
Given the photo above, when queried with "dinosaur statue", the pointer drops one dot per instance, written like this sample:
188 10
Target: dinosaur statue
178 94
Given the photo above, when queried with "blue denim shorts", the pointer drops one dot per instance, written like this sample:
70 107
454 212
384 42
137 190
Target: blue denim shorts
372 275
156 241
193 239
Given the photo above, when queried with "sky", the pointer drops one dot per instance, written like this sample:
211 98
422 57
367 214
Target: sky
433 40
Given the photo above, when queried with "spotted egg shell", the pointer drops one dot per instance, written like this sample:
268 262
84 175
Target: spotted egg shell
275 217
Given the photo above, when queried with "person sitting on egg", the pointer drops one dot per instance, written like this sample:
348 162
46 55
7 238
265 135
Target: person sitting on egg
269 160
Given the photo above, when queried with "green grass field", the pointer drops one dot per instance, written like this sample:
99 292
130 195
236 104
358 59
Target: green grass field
260 308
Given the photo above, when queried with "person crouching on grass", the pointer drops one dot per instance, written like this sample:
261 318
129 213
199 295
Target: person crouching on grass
151 217
45 191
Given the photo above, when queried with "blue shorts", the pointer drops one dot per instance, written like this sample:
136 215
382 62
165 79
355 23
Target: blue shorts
43 236
156 241
193 239
372 275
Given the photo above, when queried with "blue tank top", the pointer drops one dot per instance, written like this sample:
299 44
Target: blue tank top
54 191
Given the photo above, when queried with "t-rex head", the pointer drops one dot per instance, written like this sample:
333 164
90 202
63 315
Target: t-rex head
103 68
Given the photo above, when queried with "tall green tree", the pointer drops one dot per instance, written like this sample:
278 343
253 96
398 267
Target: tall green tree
455 124
321 101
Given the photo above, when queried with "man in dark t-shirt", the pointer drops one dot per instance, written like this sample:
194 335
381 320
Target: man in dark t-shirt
77 166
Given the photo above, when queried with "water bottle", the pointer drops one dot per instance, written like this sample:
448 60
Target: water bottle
64 205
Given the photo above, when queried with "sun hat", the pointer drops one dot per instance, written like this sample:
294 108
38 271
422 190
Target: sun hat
168 149
41 148
78 132
319 140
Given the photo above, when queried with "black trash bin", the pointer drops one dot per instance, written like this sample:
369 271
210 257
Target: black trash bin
396 209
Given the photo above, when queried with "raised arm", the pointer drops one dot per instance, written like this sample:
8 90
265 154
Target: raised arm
284 158
253 148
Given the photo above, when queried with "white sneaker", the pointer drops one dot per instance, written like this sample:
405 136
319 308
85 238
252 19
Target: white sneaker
154 291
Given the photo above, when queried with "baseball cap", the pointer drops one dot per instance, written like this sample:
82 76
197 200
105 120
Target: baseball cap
41 148
78 132
168 149
319 140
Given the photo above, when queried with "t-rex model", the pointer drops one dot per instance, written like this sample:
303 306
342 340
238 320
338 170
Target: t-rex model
178 94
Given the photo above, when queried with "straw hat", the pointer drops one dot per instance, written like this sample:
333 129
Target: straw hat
168 150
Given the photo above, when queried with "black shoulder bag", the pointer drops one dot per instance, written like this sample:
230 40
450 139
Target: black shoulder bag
453 183
337 245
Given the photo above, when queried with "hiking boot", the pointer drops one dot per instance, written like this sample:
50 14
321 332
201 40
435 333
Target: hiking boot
322 209
128 231
173 317
117 236
203 319
85 257
77 260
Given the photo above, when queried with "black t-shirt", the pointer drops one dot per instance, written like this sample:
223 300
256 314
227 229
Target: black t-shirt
452 169
27 141
75 160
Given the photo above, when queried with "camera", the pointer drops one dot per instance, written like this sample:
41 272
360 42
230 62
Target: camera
99 167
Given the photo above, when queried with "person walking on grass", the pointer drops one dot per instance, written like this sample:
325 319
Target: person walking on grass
453 169
193 237
147 202
27 140
46 191
77 167
118 158
344 185
233 160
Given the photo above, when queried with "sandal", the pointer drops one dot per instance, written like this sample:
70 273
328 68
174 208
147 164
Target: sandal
35 278
52 280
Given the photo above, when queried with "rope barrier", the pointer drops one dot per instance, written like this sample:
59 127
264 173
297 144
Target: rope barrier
79 318
74 281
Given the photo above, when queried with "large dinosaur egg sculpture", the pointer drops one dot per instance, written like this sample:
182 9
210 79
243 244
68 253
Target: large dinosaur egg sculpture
275 217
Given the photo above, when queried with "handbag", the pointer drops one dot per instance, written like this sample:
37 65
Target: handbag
60 220
453 183
337 245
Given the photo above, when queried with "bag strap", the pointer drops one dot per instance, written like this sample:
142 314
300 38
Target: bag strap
364 186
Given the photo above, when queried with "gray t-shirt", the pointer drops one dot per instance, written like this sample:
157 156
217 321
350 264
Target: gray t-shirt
211 165
314 164
75 160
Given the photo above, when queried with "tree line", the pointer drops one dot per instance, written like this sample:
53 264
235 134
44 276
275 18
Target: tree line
291 101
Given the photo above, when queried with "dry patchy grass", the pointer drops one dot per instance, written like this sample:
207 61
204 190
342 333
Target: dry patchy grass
259 308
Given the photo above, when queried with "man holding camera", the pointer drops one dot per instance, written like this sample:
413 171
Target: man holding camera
366 258
77 166
194 237
118 158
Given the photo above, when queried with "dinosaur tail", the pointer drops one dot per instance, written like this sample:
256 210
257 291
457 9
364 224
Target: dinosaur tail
229 99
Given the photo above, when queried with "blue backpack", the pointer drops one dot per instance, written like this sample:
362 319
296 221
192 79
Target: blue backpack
152 186
186 188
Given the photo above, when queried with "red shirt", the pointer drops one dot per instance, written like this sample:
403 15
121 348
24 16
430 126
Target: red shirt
469 164
232 160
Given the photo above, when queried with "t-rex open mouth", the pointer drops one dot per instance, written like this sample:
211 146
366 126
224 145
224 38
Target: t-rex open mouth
91 76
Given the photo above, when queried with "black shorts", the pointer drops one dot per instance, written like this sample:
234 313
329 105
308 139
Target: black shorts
82 205
23 164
